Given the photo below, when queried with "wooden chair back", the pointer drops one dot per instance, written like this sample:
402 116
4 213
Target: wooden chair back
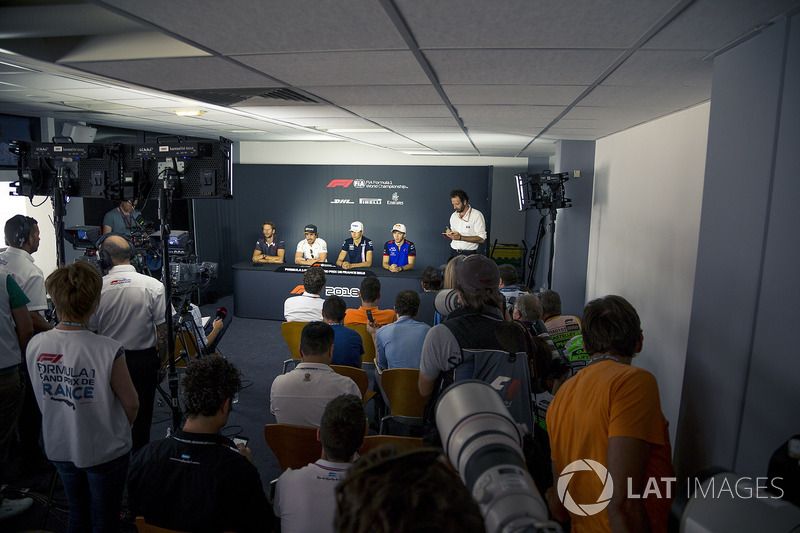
400 385
293 446
359 376
143 527
291 334
366 340
400 443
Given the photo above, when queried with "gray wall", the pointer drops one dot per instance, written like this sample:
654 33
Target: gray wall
740 397
572 225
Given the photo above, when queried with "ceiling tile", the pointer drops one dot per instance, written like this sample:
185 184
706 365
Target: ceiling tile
340 68
520 67
529 24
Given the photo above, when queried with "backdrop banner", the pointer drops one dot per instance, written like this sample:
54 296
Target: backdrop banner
331 197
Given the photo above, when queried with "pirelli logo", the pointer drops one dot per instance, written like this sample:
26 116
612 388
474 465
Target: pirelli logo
49 357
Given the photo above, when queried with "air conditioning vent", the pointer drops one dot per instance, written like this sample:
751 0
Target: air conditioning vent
230 97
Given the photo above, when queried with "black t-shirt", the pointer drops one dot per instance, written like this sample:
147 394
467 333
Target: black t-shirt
197 482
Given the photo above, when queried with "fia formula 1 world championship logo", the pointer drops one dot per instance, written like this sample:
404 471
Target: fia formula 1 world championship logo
585 509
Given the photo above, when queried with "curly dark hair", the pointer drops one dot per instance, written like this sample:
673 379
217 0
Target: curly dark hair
314 280
388 491
208 382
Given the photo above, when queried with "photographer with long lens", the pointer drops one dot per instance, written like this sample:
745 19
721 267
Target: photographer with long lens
132 311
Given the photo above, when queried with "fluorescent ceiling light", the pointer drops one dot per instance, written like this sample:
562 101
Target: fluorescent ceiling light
357 130
190 112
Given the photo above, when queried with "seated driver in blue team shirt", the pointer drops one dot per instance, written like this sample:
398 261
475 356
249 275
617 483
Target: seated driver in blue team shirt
399 254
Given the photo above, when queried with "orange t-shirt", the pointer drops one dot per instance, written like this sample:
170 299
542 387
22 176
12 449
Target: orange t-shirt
610 399
359 316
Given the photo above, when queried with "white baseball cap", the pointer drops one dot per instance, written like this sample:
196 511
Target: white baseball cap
356 226
399 227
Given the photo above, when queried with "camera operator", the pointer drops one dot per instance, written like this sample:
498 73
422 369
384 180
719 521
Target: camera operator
132 311
122 218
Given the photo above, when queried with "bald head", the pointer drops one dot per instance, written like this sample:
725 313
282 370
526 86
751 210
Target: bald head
118 249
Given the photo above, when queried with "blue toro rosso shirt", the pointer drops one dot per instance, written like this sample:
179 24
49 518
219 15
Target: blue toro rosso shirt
398 255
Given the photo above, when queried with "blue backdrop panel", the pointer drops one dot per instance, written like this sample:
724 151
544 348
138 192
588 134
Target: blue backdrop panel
331 197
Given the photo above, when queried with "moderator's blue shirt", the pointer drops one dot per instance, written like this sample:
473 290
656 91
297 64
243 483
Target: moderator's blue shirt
400 343
357 254
399 255
347 346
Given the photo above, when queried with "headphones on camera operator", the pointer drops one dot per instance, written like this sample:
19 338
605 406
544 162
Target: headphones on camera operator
104 258
23 230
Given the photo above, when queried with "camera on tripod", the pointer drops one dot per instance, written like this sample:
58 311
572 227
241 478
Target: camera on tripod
186 277
542 191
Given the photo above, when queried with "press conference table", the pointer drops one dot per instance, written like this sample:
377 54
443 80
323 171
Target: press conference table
260 290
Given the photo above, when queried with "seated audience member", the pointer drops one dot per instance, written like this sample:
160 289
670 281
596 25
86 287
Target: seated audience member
399 344
308 306
370 294
357 250
528 311
207 337
198 479
86 429
388 491
270 248
305 499
312 249
431 283
610 412
399 254
347 344
561 327
299 397
508 284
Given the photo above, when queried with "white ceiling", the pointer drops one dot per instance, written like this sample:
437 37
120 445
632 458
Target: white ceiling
464 77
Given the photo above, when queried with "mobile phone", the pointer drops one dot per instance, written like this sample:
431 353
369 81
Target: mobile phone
369 316
241 440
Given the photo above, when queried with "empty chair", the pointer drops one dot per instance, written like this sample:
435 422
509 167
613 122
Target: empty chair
399 388
359 376
369 343
293 446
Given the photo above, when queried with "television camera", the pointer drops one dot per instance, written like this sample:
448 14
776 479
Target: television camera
542 191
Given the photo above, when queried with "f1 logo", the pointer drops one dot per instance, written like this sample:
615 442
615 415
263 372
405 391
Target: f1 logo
340 183
300 289
49 357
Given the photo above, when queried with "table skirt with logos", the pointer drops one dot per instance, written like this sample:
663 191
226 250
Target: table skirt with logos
260 290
